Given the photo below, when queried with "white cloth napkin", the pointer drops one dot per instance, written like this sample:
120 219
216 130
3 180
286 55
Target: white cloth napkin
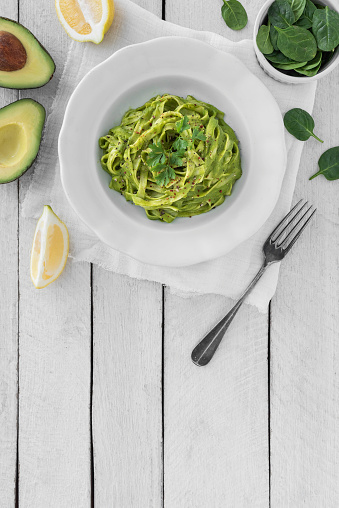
228 275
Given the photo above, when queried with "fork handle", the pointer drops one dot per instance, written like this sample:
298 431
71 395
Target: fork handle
204 351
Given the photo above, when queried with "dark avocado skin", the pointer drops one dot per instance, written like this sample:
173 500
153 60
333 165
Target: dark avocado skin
32 161
24 171
23 87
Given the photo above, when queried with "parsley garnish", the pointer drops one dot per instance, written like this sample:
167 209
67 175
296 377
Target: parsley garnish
198 134
156 155
163 162
182 125
180 145
165 175
174 159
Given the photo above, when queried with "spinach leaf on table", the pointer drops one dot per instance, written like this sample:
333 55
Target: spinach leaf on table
263 40
298 7
297 43
325 26
329 164
280 14
234 14
300 124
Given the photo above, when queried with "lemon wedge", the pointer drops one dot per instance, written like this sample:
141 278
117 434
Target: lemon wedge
49 250
85 20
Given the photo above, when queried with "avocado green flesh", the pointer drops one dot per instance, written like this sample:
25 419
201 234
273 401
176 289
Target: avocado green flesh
21 125
39 67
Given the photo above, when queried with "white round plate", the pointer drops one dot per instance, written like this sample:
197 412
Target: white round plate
180 66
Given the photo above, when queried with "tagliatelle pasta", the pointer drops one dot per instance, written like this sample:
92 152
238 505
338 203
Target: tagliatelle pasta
174 157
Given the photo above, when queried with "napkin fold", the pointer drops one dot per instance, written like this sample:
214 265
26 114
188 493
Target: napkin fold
227 275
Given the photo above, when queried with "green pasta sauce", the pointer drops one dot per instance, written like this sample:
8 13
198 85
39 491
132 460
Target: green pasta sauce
174 157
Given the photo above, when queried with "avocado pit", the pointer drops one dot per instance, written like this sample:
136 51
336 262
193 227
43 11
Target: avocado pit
13 55
24 63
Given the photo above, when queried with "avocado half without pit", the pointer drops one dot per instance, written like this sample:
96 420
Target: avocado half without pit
21 125
24 62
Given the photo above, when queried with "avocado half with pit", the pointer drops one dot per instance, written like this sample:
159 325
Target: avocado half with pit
21 125
24 62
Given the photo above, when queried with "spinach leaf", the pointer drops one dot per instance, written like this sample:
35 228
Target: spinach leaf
278 58
307 17
314 62
325 26
263 40
312 67
280 14
304 22
297 43
274 38
280 61
329 164
234 14
298 7
299 31
300 124
310 9
290 66
308 72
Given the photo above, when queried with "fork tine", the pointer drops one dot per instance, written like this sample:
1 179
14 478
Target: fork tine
292 242
284 241
279 237
275 231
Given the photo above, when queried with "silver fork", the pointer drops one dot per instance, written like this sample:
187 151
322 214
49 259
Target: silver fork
277 245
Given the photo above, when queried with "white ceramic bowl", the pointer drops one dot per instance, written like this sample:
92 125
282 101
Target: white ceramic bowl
128 79
276 73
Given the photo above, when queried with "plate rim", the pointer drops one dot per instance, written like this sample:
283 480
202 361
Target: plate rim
101 232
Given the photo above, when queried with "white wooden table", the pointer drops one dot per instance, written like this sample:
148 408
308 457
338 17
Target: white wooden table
100 404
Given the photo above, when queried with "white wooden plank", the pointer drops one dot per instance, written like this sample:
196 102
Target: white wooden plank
304 337
206 15
8 339
8 319
216 432
127 385
55 343
216 417
127 405
154 6
54 403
